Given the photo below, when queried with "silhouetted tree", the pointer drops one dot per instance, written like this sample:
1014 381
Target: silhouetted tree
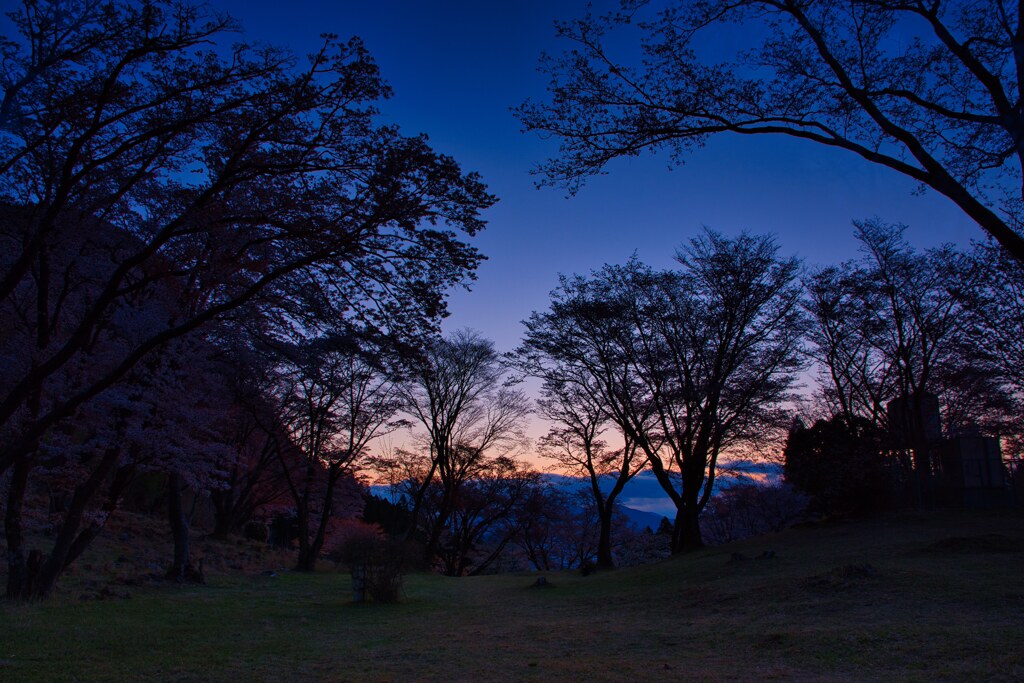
559 528
892 326
456 394
928 89
849 343
574 440
137 426
484 518
254 480
686 363
746 510
393 518
223 177
994 328
334 397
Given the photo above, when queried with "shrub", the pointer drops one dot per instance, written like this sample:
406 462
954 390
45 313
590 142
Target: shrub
840 464
256 531
377 565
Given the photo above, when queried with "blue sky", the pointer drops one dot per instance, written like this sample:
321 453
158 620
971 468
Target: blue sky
458 66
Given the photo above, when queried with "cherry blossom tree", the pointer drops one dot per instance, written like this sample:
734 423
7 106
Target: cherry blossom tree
155 180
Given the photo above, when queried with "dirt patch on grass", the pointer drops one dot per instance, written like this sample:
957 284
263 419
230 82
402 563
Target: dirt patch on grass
985 543
841 578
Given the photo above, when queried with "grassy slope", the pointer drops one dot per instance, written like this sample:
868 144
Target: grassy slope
937 609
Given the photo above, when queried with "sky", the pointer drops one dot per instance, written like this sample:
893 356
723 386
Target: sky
457 67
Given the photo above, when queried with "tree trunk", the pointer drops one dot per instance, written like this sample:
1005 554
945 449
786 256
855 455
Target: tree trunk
70 542
19 579
604 540
692 537
181 567
224 518
308 557
686 534
417 505
433 544
677 532
306 561
444 511
492 557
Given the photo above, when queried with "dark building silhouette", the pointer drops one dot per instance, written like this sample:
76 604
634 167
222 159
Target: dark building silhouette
964 470
971 471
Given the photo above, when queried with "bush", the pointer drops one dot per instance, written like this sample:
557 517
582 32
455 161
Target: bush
256 531
840 465
377 565
283 530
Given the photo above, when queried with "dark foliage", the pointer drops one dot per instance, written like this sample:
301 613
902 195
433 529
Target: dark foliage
393 518
284 530
256 531
377 564
842 466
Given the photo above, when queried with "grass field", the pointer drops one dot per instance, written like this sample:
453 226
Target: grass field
904 597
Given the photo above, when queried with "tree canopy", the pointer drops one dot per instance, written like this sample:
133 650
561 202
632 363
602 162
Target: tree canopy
203 180
685 362
928 88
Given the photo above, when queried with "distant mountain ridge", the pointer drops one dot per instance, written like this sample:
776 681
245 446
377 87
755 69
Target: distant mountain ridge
645 503
645 500
641 519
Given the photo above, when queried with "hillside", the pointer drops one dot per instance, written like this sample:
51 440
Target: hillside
908 596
